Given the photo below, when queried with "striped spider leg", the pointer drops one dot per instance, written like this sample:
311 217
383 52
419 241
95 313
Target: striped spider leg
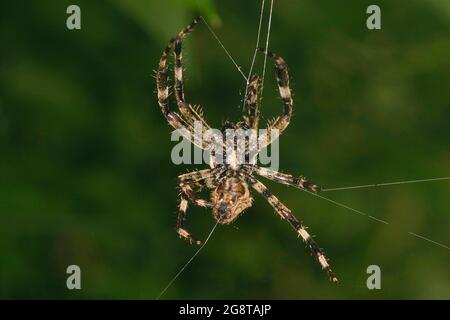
251 103
287 179
187 116
286 214
189 182
189 113
280 123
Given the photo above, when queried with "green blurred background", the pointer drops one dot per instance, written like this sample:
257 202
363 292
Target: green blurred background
86 176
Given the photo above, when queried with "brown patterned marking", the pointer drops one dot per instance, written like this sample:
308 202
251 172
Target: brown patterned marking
230 199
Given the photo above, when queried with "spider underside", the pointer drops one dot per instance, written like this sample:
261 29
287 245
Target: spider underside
229 182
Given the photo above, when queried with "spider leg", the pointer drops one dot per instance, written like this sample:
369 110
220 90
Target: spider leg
178 69
286 214
288 179
181 230
187 191
187 181
251 102
199 179
174 119
281 71
190 114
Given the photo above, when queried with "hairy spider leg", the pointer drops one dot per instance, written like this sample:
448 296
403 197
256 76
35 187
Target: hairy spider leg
281 72
251 102
287 179
189 113
176 120
187 182
286 214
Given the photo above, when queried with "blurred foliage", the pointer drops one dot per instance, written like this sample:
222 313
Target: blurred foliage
85 170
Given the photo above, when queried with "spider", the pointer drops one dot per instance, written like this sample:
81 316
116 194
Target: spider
229 182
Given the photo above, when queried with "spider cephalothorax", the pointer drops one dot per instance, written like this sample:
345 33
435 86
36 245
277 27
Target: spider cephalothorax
229 180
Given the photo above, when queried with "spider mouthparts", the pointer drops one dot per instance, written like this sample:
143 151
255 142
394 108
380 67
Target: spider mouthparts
223 209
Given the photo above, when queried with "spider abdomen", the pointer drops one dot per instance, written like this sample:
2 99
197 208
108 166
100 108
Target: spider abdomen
230 198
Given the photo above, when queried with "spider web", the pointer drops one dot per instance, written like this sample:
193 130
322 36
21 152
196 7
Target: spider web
339 188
